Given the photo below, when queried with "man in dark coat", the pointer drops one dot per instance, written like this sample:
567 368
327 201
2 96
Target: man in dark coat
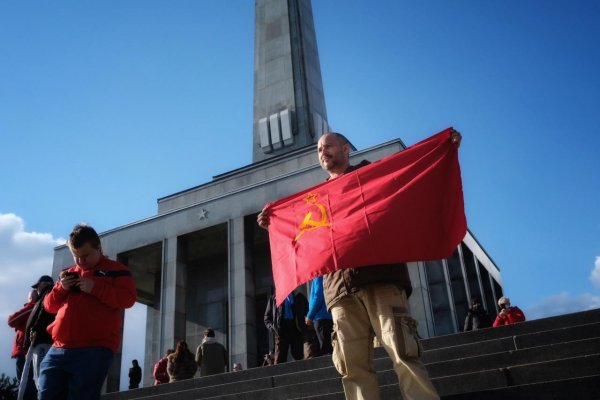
477 318
135 375
211 356
287 325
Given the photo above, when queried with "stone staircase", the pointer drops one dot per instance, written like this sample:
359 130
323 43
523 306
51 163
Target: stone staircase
550 358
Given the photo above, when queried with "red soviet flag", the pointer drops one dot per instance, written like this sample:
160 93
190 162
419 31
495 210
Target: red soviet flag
405 207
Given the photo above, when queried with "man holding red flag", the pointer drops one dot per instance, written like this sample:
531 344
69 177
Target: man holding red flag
367 301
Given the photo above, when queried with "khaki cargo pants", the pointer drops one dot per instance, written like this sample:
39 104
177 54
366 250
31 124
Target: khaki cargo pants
381 310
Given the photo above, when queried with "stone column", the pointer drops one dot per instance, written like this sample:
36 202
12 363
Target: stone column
419 301
242 329
152 350
113 377
172 304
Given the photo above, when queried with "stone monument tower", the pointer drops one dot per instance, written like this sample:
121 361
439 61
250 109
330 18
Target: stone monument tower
289 105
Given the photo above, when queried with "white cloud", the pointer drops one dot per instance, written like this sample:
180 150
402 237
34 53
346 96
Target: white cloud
24 257
595 274
562 303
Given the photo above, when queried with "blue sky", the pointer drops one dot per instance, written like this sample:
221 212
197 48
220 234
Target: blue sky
107 106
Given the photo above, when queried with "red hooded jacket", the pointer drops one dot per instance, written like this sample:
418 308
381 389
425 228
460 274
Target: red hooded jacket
160 373
94 319
18 320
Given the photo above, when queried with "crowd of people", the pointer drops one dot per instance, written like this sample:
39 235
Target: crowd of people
68 331
179 364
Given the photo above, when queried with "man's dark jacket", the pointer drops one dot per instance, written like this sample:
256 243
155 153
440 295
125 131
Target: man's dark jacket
38 322
274 315
477 319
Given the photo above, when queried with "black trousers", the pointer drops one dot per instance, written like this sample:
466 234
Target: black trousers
324 329
289 337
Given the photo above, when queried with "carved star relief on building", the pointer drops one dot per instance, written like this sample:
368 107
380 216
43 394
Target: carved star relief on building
202 214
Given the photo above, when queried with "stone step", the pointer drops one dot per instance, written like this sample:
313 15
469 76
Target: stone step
225 378
320 368
277 382
581 388
493 359
538 325
312 384
512 343
517 357
330 386
584 388
302 389
566 368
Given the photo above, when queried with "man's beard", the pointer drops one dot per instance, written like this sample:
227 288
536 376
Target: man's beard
330 164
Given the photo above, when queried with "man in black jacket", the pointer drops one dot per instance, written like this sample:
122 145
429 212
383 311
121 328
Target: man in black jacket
287 325
36 334
477 318
135 375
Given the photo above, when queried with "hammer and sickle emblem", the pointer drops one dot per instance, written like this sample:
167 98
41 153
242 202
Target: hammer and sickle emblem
308 224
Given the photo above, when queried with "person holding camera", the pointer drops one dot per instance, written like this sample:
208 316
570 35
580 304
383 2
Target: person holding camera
477 317
88 299
508 315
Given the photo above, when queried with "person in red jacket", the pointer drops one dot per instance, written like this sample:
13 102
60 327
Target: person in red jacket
160 373
88 299
37 337
508 315
18 321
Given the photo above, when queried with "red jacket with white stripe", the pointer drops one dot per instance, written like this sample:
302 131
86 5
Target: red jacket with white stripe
96 318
